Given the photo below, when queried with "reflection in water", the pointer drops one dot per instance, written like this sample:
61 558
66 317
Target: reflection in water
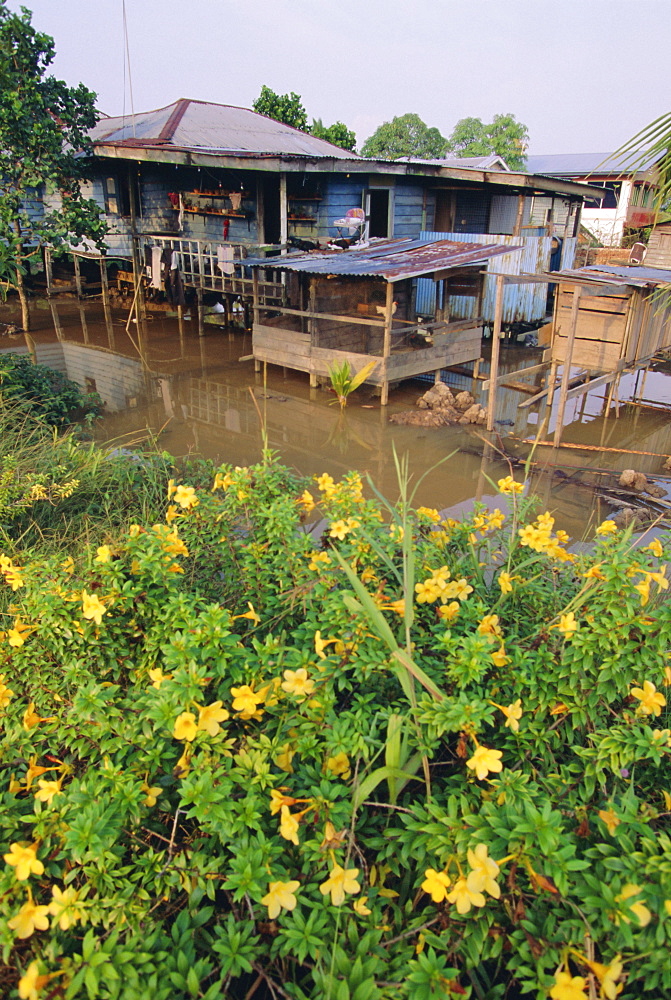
203 398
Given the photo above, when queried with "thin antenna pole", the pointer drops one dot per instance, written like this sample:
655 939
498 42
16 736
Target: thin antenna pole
130 80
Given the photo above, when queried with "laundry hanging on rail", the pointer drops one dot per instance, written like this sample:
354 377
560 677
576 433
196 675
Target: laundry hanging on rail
225 259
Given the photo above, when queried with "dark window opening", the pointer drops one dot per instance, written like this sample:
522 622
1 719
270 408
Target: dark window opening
610 198
271 209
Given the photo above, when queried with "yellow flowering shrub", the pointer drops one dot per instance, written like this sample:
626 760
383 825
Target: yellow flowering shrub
371 764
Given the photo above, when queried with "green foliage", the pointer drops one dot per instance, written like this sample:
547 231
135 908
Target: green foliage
406 135
337 133
287 108
344 383
411 758
43 132
43 392
651 149
504 135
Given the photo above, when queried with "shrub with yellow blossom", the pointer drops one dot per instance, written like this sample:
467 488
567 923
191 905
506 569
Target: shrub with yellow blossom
371 764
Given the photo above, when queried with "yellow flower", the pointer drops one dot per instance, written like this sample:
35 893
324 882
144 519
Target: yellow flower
279 799
341 528
32 719
288 825
185 727
298 683
484 871
151 792
610 818
321 644
185 497
489 626
448 612
651 700
339 765
93 608
513 714
31 982
47 790
6 694
656 548
246 701
463 897
171 513
594 573
485 760
103 554
567 624
317 560
660 578
606 528
24 860
456 588
499 658
568 988
29 919
326 484
157 677
508 485
63 907
644 590
341 882
280 896
359 906
307 501
608 976
13 577
16 634
641 912
210 716
505 581
430 513
398 607
436 884
283 758
68 565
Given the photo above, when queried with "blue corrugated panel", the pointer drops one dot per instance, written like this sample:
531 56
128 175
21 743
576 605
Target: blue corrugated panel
524 303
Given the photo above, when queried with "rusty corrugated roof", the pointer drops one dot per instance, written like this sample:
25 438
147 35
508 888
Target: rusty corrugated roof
390 259
636 276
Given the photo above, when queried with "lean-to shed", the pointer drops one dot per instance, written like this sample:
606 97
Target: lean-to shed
359 306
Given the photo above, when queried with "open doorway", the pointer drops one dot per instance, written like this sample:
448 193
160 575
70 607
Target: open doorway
271 209
377 211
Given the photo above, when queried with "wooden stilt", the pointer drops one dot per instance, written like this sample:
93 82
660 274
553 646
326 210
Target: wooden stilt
496 346
56 319
82 318
386 345
48 270
568 357
106 303
78 275
201 315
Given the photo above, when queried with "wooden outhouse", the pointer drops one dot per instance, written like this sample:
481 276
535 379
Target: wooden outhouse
358 305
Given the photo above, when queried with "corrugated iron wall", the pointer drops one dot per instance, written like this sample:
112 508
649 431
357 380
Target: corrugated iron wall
524 303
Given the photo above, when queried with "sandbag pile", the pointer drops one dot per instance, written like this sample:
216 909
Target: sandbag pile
439 407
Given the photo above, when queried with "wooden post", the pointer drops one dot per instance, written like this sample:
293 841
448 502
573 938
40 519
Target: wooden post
386 346
56 318
284 222
256 313
78 275
180 327
48 270
311 324
201 319
106 303
496 347
568 357
519 218
260 211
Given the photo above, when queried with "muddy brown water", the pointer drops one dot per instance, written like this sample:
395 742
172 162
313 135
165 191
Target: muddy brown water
199 395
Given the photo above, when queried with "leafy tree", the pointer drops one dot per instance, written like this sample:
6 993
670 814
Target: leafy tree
504 135
287 108
406 135
337 133
43 131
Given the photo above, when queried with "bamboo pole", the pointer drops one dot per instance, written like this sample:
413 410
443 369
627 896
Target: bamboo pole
106 303
496 347
592 447
568 357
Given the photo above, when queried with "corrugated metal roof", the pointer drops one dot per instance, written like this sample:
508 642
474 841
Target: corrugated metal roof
638 277
583 164
213 127
394 260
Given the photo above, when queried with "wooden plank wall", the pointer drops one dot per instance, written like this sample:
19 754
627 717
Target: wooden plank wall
600 332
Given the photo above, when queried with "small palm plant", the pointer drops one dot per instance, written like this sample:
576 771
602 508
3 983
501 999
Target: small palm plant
343 382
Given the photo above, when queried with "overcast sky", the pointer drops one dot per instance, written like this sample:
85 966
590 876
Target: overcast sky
583 75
